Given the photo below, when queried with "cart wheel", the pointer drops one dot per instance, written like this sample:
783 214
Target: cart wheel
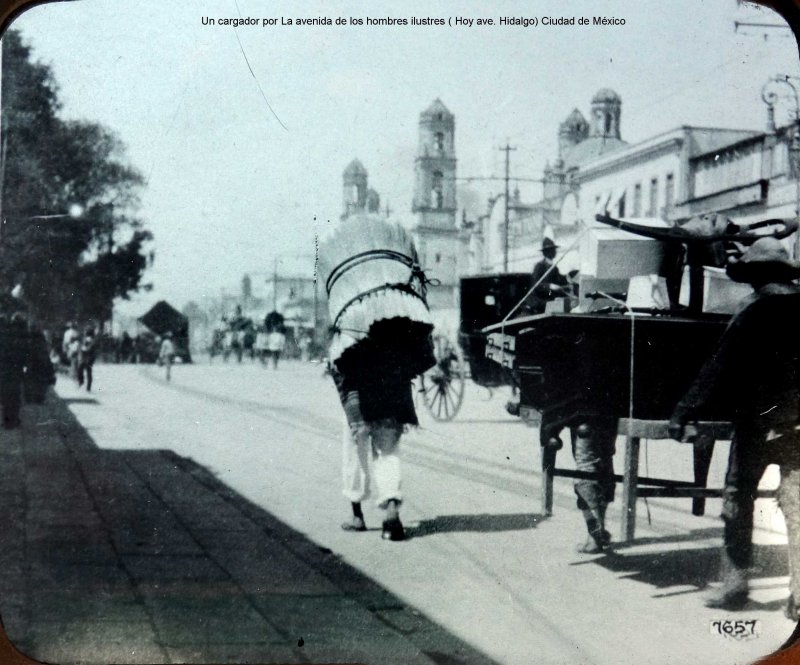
442 386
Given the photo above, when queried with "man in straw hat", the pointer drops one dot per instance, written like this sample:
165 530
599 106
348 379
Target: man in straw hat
755 373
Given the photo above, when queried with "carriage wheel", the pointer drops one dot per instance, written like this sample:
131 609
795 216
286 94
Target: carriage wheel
442 385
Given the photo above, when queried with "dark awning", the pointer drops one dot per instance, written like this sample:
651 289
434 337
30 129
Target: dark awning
163 317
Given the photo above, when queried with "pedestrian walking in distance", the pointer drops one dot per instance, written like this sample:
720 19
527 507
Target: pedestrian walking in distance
276 341
755 371
167 354
86 358
381 341
71 347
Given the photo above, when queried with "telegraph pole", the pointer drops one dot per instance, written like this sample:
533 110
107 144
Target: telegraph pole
507 149
275 285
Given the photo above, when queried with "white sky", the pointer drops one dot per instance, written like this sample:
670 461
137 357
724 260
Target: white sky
229 189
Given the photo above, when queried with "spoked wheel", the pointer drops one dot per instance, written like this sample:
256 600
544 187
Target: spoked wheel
442 386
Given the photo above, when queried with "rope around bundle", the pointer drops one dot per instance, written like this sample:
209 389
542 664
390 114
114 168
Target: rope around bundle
417 273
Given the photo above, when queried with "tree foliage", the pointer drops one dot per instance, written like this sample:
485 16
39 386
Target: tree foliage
70 267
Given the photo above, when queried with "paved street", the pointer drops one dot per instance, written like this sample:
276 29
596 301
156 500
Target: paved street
198 521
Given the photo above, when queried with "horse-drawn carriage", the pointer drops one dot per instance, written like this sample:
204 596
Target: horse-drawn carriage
581 348
484 300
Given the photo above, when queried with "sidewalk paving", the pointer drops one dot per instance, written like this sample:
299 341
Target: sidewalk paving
143 556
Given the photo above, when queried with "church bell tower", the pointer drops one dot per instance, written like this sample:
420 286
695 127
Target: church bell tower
436 234
435 166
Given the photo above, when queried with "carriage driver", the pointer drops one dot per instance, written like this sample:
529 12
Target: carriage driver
553 283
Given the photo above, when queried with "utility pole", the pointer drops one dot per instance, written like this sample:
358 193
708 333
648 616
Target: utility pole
275 286
507 149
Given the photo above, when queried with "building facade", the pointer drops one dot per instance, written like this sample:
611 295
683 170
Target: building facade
752 179
668 177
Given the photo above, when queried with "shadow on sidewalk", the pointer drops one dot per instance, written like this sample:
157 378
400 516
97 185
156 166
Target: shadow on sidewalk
688 537
145 556
696 567
485 523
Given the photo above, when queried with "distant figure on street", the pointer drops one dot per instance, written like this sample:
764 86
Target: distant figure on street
86 358
14 353
40 370
275 345
71 347
237 326
755 371
167 354
261 345
304 344
125 348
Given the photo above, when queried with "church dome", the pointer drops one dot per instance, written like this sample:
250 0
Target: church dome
605 95
437 110
574 121
355 168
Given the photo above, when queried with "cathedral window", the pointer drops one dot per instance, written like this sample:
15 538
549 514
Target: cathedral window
669 194
439 141
637 200
437 190
653 211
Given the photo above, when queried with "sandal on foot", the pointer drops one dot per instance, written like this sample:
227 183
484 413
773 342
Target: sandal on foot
591 546
727 599
356 524
393 530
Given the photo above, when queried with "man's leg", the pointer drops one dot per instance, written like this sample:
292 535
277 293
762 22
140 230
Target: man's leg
593 445
746 464
355 460
386 468
789 501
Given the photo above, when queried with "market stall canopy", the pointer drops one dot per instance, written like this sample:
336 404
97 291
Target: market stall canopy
163 318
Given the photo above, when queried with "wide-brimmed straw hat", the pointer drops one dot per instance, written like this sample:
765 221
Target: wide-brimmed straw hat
766 258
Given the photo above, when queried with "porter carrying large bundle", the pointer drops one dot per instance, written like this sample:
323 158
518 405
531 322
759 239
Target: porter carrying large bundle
376 297
381 340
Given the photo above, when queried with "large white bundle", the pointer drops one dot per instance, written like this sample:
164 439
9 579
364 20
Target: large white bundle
368 265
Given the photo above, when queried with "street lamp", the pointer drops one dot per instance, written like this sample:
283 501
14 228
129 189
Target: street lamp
75 211
770 98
